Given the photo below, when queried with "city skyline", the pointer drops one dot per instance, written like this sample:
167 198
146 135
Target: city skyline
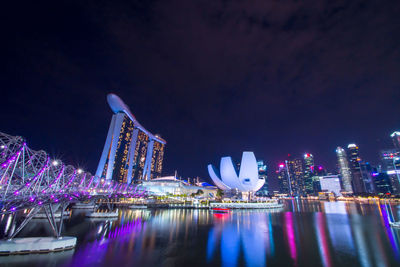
357 175
223 84
200 133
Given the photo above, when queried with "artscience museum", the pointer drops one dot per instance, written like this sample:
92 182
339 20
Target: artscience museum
246 179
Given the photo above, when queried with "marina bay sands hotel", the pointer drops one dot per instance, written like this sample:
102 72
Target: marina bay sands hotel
131 153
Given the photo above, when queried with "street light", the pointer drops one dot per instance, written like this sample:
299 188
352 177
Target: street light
80 171
55 163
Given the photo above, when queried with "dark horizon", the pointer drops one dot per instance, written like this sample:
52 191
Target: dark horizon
212 78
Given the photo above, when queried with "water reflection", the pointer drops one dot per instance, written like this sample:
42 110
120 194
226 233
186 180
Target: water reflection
345 234
392 234
290 236
303 234
339 227
322 238
241 233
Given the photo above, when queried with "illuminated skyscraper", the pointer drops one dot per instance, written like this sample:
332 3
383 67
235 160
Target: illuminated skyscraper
283 179
382 183
396 139
317 173
391 165
344 169
366 173
308 173
131 153
355 160
262 173
296 175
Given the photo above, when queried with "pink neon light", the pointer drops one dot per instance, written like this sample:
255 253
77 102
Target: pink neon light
29 183
91 180
13 157
70 180
291 238
97 183
58 176
83 179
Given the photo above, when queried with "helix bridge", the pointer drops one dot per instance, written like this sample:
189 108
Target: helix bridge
32 181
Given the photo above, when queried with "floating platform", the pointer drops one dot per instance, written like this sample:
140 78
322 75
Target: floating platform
158 206
86 206
258 205
138 207
57 215
101 219
105 215
221 210
27 245
26 259
188 206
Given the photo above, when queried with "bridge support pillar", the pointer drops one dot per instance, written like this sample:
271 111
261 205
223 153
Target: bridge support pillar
29 217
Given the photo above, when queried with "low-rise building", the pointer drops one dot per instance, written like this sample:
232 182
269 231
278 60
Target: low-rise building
330 184
170 185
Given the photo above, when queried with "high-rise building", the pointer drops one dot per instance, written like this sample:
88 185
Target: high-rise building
283 179
296 175
354 160
396 139
308 173
344 169
391 165
262 174
366 173
130 153
318 171
382 182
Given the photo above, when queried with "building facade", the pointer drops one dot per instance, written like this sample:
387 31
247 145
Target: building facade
391 165
318 171
308 173
171 186
344 170
262 174
395 136
355 160
367 178
382 183
296 176
130 153
330 184
283 180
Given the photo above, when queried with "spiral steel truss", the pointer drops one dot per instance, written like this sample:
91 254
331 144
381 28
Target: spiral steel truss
31 180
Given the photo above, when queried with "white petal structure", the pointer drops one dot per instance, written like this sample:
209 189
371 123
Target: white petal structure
247 180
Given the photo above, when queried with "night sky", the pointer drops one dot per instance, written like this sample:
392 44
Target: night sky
213 78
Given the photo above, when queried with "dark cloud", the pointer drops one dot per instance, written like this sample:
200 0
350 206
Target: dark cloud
213 77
